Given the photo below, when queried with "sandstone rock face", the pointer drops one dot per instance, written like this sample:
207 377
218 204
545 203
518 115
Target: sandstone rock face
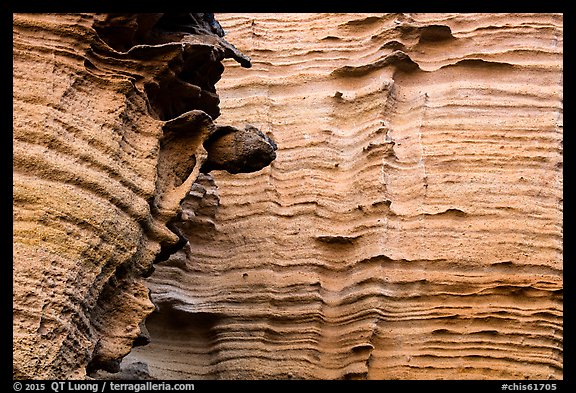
411 224
111 114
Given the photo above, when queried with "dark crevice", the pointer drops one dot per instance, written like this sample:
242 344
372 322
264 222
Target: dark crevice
168 249
124 31
177 61
144 336
189 80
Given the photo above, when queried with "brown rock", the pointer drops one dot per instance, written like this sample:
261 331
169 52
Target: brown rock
111 113
237 151
411 224
409 227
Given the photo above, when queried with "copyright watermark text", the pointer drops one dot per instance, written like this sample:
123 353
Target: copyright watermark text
100 386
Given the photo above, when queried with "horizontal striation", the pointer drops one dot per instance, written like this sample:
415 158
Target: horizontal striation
95 173
411 225
81 167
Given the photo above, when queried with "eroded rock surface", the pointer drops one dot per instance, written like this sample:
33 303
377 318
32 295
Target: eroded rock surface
411 225
111 113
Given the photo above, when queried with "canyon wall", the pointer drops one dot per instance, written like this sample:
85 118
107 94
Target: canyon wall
379 198
113 123
411 224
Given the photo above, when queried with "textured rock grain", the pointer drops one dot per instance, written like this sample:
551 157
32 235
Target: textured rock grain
411 225
111 113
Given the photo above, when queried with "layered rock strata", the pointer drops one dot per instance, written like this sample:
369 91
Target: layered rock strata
411 225
111 117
